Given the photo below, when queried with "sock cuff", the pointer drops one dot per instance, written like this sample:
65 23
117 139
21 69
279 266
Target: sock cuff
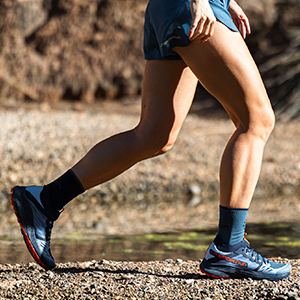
233 208
232 224
58 193
77 180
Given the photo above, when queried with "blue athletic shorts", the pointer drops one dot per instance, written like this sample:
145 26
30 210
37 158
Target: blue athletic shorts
167 23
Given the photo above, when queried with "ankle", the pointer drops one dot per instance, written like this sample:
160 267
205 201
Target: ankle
58 193
226 247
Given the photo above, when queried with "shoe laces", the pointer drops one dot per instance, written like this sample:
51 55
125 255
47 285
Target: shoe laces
49 226
254 256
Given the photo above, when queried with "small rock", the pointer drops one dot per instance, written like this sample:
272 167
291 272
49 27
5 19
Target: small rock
195 189
105 262
190 281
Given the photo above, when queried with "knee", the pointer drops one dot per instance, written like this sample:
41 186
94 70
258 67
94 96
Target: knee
155 142
261 123
266 123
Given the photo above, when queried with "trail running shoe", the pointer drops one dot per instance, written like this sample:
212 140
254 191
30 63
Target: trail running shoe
243 262
36 223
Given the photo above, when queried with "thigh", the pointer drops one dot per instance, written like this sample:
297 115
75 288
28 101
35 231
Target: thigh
168 92
226 69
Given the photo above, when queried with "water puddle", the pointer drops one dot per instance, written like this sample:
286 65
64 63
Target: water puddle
271 239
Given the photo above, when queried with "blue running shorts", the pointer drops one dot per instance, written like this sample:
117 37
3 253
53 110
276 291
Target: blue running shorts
167 23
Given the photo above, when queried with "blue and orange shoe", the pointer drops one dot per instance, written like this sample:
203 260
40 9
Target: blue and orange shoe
241 261
36 223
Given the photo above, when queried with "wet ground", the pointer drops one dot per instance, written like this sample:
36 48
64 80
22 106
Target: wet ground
149 231
271 239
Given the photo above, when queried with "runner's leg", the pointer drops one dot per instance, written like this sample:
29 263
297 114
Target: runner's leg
226 69
168 91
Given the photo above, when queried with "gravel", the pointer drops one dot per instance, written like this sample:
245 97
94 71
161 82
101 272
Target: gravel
167 279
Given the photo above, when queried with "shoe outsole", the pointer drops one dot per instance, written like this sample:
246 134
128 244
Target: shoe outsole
271 278
24 234
214 276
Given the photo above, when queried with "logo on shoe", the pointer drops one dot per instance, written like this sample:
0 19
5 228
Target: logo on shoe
229 259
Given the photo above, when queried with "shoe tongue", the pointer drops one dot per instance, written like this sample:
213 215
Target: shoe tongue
35 191
34 194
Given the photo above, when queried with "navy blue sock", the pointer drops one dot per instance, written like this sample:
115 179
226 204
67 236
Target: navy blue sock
58 193
232 225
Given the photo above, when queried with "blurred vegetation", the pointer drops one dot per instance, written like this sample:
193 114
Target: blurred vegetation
52 50
277 52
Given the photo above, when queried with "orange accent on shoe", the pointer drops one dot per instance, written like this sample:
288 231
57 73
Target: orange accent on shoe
213 276
229 259
245 238
208 248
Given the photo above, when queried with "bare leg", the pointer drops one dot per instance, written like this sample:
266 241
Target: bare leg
168 91
226 69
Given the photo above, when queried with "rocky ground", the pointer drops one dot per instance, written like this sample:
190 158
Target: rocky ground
167 279
177 190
